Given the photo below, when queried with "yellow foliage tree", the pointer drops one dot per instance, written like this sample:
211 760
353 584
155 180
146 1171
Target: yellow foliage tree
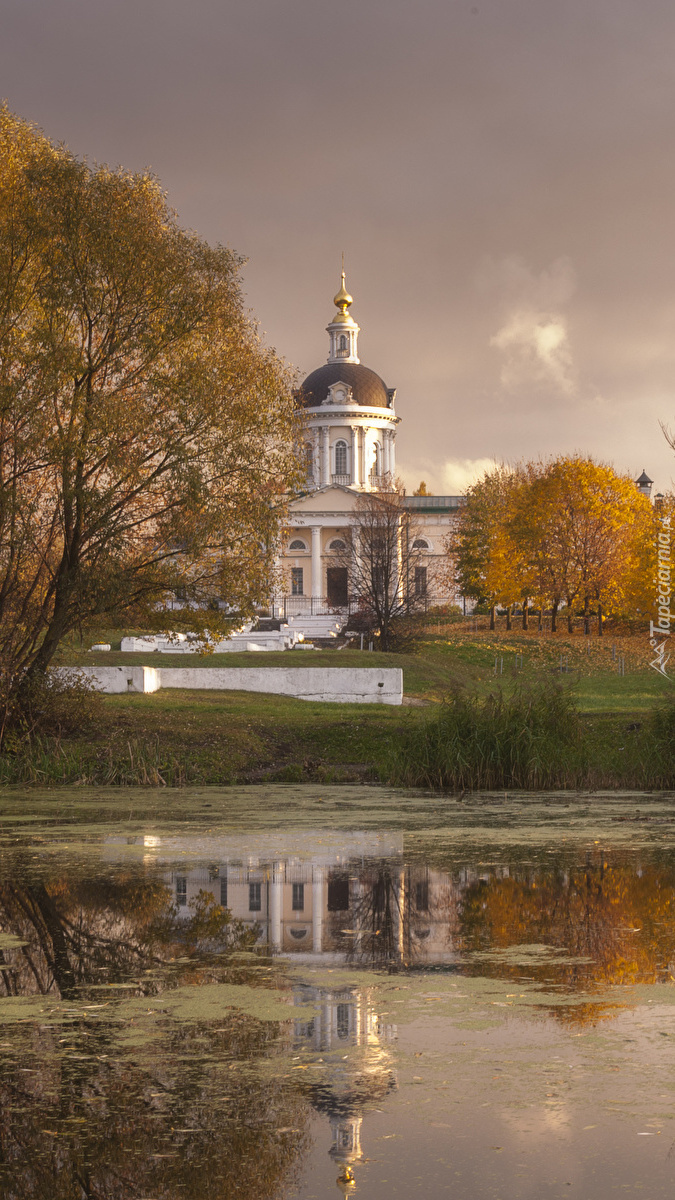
144 430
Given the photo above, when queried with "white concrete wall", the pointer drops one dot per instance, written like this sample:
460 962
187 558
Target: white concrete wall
114 680
341 685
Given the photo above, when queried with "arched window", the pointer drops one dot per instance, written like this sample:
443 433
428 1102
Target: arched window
377 465
340 458
338 544
297 544
420 544
344 344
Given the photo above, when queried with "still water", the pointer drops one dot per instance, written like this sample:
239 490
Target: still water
298 992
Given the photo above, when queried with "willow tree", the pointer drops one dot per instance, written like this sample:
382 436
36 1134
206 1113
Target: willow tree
145 432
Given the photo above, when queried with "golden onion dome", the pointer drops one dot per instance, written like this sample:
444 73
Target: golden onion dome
343 300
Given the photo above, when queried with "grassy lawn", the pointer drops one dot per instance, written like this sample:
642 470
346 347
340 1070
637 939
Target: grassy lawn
455 656
191 737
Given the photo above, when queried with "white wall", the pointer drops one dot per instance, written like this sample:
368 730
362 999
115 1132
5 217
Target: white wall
341 685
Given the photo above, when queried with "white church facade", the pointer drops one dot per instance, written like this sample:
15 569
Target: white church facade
350 425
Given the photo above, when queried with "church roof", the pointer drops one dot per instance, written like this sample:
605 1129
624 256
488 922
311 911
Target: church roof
368 389
644 478
431 504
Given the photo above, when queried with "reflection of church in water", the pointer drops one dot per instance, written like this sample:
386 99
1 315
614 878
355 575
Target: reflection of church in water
336 898
328 899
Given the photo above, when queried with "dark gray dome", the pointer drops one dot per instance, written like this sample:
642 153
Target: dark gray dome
368 389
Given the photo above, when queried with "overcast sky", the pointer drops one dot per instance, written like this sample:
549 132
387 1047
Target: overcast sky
499 173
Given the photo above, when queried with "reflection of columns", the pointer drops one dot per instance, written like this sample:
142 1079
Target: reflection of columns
325 455
316 560
398 919
356 905
317 909
356 466
276 898
326 1022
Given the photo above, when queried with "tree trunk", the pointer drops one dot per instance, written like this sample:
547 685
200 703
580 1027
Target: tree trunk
541 618
508 617
587 626
492 616
554 616
599 619
525 615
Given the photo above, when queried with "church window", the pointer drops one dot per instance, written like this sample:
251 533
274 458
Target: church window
297 544
344 344
338 544
420 544
340 458
296 581
254 897
298 934
298 897
377 465
420 581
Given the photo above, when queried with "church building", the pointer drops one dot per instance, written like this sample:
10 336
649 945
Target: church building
350 429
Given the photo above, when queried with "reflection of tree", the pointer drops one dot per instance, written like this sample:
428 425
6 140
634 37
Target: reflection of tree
377 902
81 933
616 917
107 1128
86 1110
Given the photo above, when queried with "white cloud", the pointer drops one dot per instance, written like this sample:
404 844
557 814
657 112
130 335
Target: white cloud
451 478
533 337
536 349
459 473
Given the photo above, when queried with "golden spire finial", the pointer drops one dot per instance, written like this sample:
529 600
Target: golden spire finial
343 300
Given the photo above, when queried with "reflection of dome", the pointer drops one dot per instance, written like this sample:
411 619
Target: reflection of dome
368 389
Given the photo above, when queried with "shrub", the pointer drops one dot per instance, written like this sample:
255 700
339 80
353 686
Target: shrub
53 704
531 738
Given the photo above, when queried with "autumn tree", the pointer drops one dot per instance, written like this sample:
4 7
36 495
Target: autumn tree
585 533
144 430
561 533
482 547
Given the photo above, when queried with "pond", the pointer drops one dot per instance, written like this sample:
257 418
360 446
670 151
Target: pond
303 992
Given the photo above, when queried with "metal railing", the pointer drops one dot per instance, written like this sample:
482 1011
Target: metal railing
314 606
381 483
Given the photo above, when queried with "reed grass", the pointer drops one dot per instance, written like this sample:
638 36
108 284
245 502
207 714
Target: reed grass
533 739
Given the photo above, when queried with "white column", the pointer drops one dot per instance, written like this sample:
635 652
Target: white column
392 453
356 473
386 445
316 458
325 455
316 560
317 910
276 900
366 453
